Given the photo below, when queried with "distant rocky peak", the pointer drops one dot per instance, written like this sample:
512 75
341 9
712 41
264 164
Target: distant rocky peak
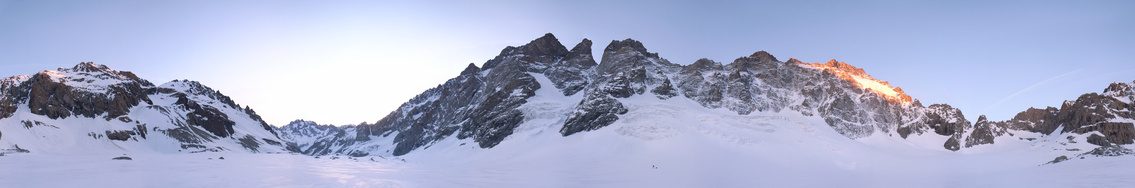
628 45
546 45
844 67
188 86
762 56
861 79
89 67
472 68
300 124
583 47
1120 89
94 71
542 51
581 54
981 119
702 64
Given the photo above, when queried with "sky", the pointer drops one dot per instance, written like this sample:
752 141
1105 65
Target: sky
347 62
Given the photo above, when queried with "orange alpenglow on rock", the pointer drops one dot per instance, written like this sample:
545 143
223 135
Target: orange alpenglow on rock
861 79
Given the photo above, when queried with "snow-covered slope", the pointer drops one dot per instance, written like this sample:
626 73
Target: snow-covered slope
94 109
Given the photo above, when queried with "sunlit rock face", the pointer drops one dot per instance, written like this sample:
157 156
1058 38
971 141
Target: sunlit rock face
860 78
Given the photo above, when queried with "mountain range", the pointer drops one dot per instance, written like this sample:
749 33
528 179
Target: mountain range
489 103
543 85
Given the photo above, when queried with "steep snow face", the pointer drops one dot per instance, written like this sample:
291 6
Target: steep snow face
94 109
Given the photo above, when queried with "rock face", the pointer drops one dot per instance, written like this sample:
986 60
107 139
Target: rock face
48 93
483 103
984 132
119 107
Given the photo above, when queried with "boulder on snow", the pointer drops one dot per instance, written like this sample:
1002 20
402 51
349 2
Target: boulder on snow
1058 159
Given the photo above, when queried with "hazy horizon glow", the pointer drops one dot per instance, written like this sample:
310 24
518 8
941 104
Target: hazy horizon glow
346 62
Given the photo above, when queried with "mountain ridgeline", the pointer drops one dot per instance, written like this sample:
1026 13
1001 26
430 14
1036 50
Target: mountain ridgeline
484 103
92 108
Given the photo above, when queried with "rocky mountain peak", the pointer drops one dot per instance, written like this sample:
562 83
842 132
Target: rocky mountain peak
89 67
794 60
702 64
89 71
582 50
860 78
763 56
543 50
626 46
844 67
301 124
546 45
472 68
1120 89
197 89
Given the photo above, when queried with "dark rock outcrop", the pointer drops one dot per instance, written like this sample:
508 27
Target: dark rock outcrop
8 88
119 135
984 132
249 142
1035 120
206 117
597 111
1113 133
665 91
263 124
1058 159
49 96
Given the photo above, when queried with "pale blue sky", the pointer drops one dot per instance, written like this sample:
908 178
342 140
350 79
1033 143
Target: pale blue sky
345 62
